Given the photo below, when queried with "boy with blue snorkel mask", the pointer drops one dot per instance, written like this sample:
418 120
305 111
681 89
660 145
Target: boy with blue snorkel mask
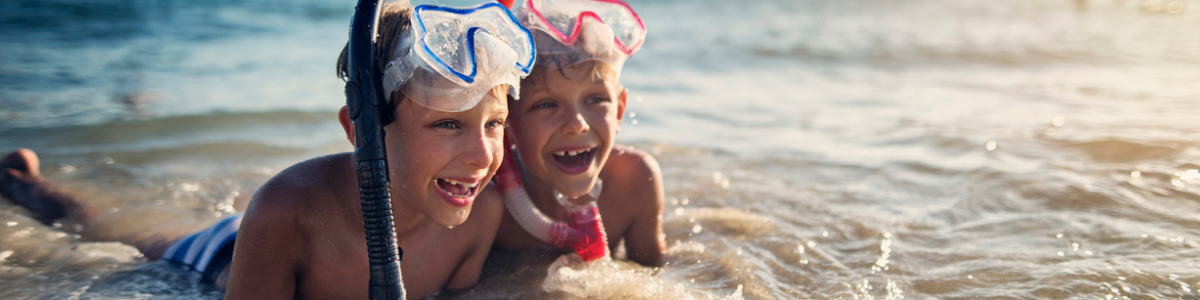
448 74
565 171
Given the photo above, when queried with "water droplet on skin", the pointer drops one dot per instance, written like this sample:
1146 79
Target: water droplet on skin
1059 121
991 145
697 228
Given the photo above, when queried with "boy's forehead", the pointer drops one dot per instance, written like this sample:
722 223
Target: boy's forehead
586 72
493 100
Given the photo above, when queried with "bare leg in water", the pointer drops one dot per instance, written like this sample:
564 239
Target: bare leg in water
22 183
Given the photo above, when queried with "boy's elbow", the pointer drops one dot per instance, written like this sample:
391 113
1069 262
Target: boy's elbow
654 256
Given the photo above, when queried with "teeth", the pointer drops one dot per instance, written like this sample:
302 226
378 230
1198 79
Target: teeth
570 153
455 182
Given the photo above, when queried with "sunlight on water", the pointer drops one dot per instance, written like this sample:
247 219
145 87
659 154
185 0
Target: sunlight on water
855 149
605 279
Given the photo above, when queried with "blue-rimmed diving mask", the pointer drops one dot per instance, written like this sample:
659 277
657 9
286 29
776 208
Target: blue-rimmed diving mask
450 57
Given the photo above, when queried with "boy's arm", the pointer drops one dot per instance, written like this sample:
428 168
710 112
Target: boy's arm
644 240
265 254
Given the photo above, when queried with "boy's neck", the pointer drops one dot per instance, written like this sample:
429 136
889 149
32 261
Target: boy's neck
539 191
407 220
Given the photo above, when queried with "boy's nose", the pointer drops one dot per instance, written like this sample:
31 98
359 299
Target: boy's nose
479 151
575 124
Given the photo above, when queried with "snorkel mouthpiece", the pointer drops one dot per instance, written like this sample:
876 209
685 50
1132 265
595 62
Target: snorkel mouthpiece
366 107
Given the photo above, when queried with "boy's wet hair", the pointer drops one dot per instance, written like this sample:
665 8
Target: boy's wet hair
394 18
549 62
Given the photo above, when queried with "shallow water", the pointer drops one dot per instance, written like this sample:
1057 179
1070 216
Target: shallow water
866 149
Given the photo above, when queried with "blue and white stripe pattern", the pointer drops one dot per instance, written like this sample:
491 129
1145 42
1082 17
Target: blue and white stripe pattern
208 251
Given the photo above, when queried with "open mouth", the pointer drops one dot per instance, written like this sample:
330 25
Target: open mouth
574 162
457 189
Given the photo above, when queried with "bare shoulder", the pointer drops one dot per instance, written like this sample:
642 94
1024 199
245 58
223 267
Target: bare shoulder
633 199
272 242
304 186
631 170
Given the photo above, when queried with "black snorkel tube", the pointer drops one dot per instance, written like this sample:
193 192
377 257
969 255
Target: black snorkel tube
369 111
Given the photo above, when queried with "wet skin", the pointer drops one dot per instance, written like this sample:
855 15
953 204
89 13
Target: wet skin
564 127
302 236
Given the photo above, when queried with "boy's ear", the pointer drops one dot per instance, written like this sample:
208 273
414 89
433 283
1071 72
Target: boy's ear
347 124
621 104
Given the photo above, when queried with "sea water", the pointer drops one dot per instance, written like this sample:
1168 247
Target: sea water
848 149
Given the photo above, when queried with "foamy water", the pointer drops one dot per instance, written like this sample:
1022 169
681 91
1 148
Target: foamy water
864 149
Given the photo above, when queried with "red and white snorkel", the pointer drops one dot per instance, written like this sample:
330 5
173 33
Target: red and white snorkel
585 233
568 32
517 201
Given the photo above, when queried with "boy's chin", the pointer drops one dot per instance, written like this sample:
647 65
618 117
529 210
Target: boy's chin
453 218
576 189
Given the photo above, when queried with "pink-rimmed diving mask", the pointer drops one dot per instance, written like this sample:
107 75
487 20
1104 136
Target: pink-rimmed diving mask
603 30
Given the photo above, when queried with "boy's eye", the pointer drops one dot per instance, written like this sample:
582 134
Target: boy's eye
496 124
446 124
544 104
597 99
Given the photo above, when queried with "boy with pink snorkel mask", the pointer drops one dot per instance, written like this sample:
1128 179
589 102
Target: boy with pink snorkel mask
563 170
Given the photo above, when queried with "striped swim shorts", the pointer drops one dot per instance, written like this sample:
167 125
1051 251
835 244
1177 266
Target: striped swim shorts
206 252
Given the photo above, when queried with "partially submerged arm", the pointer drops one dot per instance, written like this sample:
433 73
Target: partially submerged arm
644 239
